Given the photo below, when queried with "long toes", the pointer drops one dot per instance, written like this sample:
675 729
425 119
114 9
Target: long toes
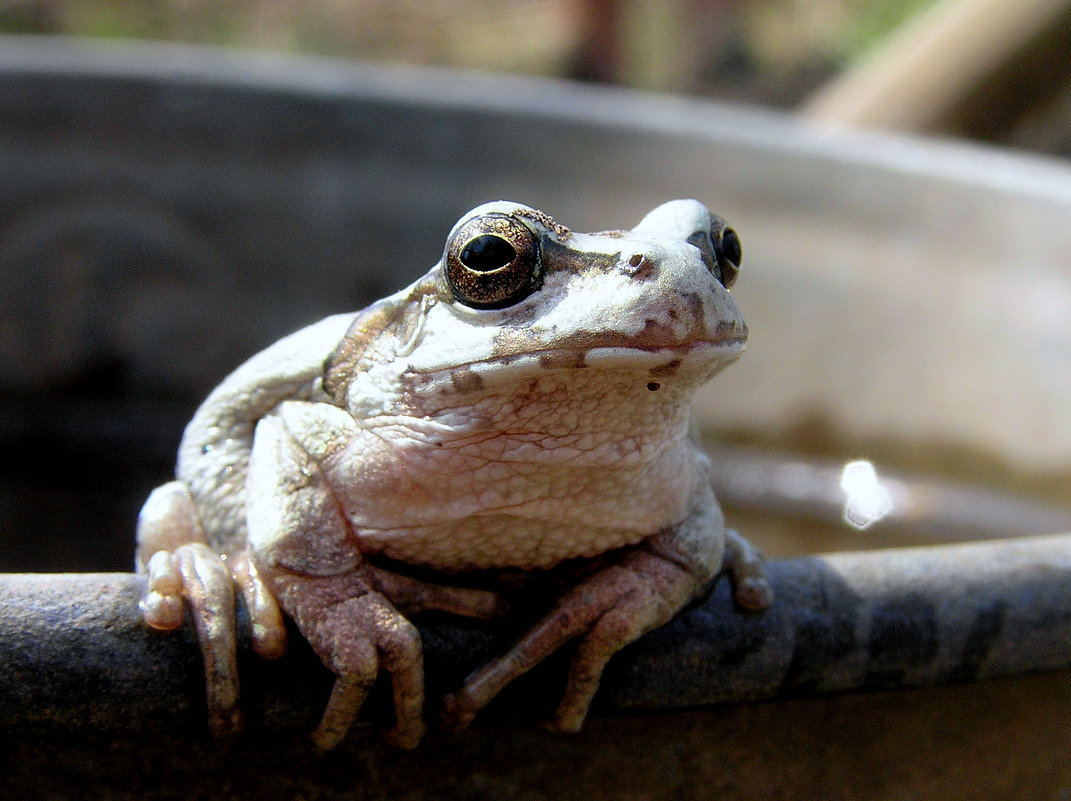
407 738
402 655
356 637
267 629
347 698
569 619
413 596
209 591
639 611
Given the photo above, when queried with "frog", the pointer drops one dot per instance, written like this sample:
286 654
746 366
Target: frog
524 405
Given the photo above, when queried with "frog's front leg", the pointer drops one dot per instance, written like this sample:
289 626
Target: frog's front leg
307 552
181 569
615 606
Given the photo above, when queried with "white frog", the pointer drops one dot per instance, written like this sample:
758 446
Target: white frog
524 404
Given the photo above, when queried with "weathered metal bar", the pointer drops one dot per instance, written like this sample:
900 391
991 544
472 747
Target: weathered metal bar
73 653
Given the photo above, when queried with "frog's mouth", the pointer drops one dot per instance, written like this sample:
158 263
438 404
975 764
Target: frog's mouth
696 354
697 358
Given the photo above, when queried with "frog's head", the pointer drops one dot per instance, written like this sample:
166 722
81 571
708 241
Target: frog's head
516 294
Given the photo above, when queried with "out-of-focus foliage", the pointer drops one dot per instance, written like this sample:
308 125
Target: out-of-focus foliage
776 48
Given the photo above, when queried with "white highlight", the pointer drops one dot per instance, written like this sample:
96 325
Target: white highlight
867 500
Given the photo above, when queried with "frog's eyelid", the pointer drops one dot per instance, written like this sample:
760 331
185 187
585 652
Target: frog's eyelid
704 243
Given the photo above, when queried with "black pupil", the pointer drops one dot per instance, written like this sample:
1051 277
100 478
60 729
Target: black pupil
486 253
730 246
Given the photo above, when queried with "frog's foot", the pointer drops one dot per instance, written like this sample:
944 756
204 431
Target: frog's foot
182 570
267 628
747 571
607 611
195 572
356 632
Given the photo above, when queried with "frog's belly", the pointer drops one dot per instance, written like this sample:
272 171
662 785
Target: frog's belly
497 541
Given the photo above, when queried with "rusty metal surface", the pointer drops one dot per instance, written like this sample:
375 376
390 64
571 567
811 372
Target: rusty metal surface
998 740
84 686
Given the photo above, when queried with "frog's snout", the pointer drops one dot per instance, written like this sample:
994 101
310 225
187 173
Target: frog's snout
691 222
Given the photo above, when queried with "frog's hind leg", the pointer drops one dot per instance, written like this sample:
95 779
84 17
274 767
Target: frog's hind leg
747 571
183 570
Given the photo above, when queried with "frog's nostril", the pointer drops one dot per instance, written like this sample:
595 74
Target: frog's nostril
641 268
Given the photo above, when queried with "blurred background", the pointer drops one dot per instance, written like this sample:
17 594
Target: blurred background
993 70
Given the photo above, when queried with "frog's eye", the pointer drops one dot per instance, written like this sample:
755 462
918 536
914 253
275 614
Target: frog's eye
720 248
492 261
729 254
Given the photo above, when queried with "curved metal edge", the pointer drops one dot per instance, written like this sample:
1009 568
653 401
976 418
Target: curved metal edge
74 654
528 96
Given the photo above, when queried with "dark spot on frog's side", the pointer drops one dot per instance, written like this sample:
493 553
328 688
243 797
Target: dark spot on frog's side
465 381
694 303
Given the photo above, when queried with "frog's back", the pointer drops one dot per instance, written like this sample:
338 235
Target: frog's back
213 457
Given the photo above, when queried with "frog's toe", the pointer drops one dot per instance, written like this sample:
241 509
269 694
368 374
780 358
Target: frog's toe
457 710
194 575
356 637
266 626
413 596
162 606
753 593
747 571
605 612
622 624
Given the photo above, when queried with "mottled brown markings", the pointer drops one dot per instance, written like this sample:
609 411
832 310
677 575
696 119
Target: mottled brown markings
544 220
339 367
465 380
558 257
358 347
656 334
694 303
513 343
728 330
563 360
667 369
